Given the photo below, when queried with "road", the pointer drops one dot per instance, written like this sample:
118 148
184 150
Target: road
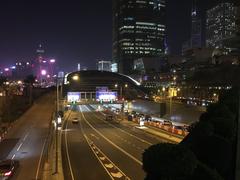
27 138
99 149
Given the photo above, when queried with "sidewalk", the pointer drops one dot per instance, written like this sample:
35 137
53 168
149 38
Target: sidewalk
49 170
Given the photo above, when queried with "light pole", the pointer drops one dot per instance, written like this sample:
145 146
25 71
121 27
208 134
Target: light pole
56 129
121 93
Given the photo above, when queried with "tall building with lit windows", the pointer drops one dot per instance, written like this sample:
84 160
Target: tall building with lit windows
138 31
220 25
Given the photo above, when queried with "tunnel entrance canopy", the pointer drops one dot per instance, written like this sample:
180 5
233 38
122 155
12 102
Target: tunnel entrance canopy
89 81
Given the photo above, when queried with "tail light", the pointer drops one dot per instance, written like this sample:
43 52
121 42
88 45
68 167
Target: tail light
8 173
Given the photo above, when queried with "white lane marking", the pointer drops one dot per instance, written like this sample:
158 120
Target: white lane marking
19 146
104 165
40 159
117 175
93 135
108 165
144 141
13 156
25 136
116 146
102 158
68 158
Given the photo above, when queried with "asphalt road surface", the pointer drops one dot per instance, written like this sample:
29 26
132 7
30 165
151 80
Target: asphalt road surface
27 138
98 149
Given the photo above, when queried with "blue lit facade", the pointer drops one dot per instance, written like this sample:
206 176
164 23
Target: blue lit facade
138 31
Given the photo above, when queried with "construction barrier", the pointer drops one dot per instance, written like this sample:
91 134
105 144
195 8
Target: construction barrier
167 128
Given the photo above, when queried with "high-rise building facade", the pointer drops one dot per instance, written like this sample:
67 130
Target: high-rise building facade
196 29
138 31
220 25
195 40
104 65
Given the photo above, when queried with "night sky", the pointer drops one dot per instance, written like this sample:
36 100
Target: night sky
73 32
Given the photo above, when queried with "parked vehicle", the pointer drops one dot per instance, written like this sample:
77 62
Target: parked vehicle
130 118
167 123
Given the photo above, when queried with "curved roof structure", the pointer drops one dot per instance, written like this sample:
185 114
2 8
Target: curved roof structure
87 81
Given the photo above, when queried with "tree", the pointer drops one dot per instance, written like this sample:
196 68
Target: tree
203 172
168 161
212 139
3 79
30 79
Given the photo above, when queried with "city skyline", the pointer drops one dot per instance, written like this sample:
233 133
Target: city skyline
70 32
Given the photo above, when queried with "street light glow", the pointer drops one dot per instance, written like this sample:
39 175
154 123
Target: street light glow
75 77
52 60
43 72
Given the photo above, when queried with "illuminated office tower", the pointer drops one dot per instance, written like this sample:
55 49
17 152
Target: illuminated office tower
138 31
220 25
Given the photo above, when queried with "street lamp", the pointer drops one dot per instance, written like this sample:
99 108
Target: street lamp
75 77
52 60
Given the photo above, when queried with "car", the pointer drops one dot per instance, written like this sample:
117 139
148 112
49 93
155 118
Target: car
167 123
109 117
7 168
178 127
117 111
148 118
75 120
130 118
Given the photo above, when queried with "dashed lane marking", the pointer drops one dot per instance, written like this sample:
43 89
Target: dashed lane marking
108 165
13 156
117 175
144 141
19 146
112 143
112 170
25 136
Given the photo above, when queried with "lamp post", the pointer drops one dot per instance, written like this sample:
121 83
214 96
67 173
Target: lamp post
121 93
56 129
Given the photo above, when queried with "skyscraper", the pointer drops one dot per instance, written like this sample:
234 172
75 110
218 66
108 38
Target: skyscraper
220 25
39 60
196 29
103 65
138 31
